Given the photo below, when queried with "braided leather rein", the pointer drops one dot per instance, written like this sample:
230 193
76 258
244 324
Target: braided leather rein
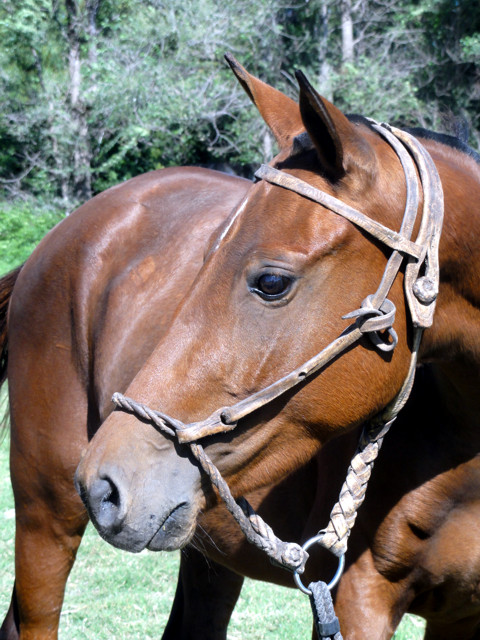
376 314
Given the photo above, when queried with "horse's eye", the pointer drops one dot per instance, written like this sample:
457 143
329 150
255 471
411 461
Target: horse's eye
272 286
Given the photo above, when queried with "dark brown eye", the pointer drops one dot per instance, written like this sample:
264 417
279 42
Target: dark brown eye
271 286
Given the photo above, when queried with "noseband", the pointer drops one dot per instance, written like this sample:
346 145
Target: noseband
373 318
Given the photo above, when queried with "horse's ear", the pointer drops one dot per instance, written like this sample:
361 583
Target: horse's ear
281 113
338 144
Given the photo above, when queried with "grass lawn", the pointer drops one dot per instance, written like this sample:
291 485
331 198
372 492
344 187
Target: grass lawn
114 595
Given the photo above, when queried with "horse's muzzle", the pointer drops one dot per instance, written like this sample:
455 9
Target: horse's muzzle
133 516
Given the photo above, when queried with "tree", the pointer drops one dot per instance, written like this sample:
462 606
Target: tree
43 107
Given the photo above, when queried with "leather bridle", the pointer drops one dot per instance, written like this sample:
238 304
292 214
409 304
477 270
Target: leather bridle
375 315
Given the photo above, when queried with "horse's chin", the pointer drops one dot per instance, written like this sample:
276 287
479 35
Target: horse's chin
156 534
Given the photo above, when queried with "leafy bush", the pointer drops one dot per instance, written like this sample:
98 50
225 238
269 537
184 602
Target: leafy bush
22 225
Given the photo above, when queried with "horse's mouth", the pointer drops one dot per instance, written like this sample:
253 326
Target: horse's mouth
175 531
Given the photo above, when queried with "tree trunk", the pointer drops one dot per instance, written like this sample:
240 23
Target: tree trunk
60 173
324 78
347 32
80 24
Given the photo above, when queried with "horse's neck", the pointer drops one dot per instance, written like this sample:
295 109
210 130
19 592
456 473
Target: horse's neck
453 342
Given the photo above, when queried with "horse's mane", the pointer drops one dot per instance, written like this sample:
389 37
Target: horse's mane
449 140
446 139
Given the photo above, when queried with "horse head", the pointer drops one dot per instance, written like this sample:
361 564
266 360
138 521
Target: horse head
274 290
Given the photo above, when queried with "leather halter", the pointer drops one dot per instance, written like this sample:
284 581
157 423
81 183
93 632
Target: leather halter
376 313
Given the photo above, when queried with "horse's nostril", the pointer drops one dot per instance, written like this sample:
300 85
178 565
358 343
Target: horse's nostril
105 505
112 496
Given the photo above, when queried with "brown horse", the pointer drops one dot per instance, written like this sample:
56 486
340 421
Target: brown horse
111 278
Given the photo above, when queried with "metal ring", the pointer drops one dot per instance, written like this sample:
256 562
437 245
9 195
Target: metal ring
334 580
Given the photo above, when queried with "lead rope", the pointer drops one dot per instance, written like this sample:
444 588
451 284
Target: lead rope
326 622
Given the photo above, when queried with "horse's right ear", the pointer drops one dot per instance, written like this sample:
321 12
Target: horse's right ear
281 113
339 146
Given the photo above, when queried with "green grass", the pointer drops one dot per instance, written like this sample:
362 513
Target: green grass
114 595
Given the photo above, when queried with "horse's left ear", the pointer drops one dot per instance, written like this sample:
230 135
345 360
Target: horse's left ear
281 113
338 143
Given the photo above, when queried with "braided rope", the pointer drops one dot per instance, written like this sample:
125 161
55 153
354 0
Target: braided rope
289 555
142 411
335 536
352 493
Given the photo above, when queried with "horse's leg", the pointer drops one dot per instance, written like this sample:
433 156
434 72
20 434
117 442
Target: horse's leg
44 587
46 542
44 558
204 600
48 433
50 521
366 603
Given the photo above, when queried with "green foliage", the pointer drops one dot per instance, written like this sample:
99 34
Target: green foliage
22 226
93 92
471 48
359 85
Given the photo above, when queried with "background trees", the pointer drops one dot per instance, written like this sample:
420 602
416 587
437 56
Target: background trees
95 91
